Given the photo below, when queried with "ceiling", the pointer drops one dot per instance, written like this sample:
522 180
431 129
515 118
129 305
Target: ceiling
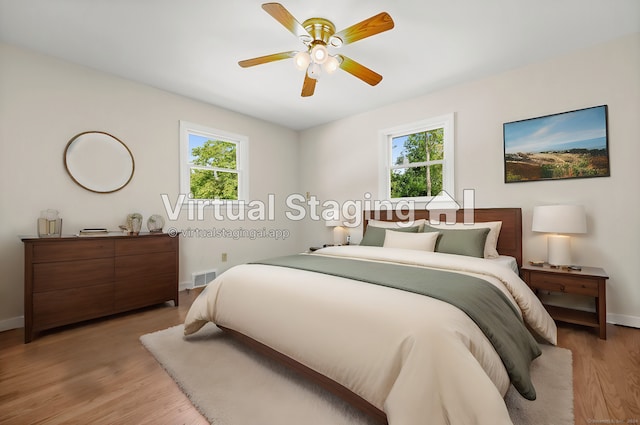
191 47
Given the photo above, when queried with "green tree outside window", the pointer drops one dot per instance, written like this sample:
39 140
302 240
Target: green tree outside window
417 170
213 173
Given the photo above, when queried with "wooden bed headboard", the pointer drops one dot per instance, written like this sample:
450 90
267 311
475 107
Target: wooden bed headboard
509 240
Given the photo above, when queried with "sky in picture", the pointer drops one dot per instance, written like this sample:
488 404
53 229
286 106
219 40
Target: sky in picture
578 129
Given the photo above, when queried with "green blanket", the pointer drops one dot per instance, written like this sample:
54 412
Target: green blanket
481 301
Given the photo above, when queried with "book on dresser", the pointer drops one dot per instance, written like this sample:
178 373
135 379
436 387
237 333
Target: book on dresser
98 231
72 279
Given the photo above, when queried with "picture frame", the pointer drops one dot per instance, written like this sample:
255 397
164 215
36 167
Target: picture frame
567 145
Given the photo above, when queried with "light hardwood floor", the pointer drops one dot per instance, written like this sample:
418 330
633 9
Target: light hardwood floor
99 373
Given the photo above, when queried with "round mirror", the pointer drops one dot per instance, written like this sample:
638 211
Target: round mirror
99 162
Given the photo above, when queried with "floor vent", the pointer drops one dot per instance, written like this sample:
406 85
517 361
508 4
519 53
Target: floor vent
203 278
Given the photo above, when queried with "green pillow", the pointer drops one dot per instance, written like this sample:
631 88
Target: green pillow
374 236
468 242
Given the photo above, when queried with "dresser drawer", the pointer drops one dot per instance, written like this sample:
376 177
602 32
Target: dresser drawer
142 292
66 306
564 283
79 250
147 265
145 245
72 274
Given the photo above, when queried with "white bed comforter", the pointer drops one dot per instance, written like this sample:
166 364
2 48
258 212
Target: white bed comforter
420 360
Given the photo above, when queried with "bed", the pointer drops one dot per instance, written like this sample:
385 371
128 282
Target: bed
338 316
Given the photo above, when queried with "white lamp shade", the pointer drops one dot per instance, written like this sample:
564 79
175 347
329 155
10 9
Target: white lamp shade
333 223
314 71
302 60
330 65
559 219
319 54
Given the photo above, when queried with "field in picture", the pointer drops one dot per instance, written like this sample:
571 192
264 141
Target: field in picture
573 163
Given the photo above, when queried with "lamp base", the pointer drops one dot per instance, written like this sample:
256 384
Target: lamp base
339 235
559 250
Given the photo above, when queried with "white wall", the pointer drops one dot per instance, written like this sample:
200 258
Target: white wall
341 158
44 102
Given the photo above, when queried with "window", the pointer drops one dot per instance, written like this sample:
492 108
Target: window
213 163
417 160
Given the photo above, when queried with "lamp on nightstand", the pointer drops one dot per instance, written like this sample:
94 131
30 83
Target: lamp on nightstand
559 220
339 232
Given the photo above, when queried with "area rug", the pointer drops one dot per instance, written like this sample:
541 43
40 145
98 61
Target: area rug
232 385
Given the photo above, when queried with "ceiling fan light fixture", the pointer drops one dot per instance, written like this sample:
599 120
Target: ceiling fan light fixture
335 41
317 34
302 60
314 71
319 54
330 65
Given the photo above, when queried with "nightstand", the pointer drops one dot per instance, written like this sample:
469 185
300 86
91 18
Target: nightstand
590 281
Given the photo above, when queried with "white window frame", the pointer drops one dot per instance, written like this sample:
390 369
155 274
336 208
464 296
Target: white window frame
386 145
242 158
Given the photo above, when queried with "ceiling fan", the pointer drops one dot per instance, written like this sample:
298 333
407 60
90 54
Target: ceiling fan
317 34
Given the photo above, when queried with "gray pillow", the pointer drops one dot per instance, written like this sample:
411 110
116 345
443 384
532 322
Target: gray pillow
374 236
469 242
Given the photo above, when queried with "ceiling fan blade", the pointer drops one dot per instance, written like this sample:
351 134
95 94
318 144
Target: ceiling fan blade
359 71
372 26
283 16
309 86
266 59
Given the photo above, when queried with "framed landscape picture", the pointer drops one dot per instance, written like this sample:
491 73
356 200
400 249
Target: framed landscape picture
568 145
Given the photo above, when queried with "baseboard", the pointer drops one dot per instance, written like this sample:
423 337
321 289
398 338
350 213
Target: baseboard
623 319
12 323
185 285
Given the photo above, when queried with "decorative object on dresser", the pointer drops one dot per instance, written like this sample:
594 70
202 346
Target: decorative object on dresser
72 279
134 223
588 281
94 231
155 223
49 224
559 220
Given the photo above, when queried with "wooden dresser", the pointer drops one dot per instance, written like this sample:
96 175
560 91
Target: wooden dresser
71 279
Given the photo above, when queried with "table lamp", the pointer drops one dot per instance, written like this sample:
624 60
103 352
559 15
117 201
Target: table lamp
339 233
560 220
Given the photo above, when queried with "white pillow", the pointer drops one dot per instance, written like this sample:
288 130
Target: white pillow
491 243
405 240
395 224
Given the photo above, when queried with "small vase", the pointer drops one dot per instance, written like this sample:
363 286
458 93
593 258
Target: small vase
49 224
134 223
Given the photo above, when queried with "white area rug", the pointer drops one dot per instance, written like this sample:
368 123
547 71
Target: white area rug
231 385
